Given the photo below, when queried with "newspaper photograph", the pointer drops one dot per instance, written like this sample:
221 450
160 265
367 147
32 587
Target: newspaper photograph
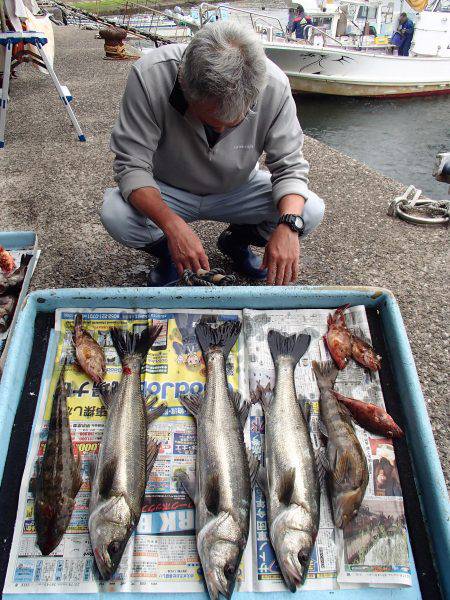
161 555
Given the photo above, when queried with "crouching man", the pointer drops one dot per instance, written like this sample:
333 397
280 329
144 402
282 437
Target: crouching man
193 123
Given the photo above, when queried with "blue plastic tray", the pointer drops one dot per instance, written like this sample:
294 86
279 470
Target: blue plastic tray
427 469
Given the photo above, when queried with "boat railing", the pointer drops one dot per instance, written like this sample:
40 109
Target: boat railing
143 17
313 29
252 18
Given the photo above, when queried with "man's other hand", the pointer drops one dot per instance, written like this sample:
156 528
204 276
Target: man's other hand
186 248
281 257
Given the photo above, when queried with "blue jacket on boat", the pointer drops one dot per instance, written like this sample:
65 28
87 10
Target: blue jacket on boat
406 31
298 26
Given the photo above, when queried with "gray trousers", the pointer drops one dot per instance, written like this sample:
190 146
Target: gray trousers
251 204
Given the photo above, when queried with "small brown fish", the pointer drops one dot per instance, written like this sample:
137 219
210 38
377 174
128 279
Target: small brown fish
13 280
89 353
7 264
364 354
7 305
59 477
338 338
371 417
344 460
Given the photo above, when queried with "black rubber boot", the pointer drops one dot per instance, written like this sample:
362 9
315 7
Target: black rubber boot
165 273
234 242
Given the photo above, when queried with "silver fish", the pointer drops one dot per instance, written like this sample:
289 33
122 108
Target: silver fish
58 479
344 461
126 456
290 480
222 488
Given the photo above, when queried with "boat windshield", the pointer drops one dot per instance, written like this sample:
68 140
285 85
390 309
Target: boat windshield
439 6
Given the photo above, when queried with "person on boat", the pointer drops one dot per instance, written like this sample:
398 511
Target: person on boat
193 124
299 23
406 30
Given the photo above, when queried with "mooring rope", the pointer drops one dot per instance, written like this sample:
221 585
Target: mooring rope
206 278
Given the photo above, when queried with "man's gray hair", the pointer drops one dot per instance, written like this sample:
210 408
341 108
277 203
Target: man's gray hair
224 62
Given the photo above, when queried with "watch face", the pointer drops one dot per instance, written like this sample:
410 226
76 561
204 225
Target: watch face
299 223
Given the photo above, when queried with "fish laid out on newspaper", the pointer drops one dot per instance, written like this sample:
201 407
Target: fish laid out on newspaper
371 417
58 479
126 456
7 305
344 461
343 344
290 480
7 264
225 471
90 355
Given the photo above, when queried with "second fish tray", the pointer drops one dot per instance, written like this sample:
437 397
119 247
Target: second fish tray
417 460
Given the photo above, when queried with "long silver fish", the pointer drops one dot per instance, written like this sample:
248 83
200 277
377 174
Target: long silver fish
58 479
222 488
126 455
344 461
290 480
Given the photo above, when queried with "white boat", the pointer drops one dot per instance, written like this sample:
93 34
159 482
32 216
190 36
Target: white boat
365 65
348 50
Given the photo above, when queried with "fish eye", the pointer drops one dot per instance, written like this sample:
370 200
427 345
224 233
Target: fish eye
303 557
229 571
113 548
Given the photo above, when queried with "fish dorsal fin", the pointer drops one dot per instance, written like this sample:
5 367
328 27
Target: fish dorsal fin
322 464
253 465
305 407
152 454
105 394
191 403
153 412
242 408
212 493
322 428
286 486
186 481
107 477
345 413
342 466
261 480
262 395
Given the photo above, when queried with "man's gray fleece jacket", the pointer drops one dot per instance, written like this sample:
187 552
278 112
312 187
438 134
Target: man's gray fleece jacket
156 138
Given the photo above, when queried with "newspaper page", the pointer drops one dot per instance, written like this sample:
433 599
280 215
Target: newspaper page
161 556
373 548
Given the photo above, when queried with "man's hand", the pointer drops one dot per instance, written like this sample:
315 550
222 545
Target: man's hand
281 256
186 248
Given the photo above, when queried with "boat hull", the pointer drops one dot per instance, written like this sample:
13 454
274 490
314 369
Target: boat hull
340 72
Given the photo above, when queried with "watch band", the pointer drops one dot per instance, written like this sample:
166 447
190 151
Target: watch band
295 222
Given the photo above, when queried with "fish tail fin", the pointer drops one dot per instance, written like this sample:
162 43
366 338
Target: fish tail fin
221 337
292 346
25 259
78 323
325 373
127 343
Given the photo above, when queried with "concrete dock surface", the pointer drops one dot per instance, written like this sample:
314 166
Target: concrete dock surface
53 184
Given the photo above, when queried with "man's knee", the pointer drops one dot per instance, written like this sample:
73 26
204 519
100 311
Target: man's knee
122 221
313 212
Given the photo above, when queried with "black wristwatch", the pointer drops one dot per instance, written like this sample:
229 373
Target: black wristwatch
295 222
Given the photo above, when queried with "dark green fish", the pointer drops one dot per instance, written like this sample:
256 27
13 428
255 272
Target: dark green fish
59 477
344 460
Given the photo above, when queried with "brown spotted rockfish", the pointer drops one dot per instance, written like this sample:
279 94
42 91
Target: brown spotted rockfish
58 479
89 353
344 461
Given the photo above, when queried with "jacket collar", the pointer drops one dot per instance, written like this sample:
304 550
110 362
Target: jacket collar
177 98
